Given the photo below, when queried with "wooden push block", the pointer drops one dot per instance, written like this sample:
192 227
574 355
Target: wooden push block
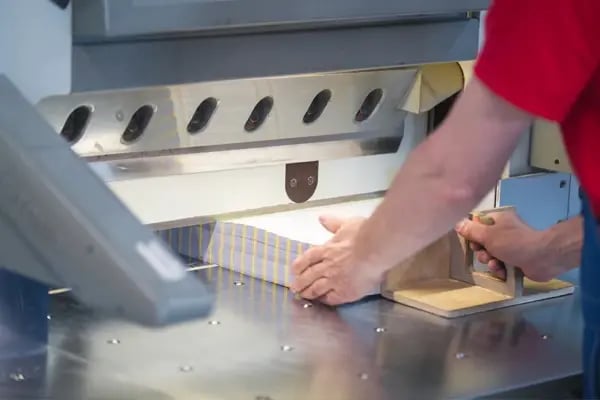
442 280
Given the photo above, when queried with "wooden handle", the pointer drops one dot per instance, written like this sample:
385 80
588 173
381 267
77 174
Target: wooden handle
484 219
513 284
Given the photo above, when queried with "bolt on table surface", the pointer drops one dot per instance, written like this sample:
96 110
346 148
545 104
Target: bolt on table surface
262 343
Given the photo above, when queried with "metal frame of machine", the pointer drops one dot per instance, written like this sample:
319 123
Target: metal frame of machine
200 109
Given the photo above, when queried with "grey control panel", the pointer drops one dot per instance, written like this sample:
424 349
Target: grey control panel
60 224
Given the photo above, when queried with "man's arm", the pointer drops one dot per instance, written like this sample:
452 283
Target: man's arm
565 241
444 178
441 181
542 255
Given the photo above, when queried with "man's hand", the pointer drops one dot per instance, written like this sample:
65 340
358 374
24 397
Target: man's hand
331 272
513 242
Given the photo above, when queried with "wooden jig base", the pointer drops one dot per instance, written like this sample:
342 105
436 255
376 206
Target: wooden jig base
442 280
450 298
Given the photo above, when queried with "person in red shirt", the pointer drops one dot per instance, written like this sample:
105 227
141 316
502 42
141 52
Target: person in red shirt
541 59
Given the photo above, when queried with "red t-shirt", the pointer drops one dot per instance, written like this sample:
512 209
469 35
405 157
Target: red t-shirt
544 57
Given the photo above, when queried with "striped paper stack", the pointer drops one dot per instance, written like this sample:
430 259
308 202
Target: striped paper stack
245 249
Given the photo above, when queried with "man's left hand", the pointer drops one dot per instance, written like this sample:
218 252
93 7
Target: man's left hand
331 273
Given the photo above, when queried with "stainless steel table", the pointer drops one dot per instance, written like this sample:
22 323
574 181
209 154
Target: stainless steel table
262 343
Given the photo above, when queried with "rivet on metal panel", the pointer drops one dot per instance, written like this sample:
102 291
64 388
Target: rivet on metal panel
186 368
301 180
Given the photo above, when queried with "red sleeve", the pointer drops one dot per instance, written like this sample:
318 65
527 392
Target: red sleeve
540 55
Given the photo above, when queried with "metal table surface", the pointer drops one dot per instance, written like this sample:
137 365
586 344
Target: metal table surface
262 343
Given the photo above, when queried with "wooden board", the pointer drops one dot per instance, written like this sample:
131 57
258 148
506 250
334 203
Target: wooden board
439 280
430 263
450 298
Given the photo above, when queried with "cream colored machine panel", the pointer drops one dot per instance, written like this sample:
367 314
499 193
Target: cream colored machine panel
547 148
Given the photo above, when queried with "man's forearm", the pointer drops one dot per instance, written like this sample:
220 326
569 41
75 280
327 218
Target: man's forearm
563 243
447 176
407 221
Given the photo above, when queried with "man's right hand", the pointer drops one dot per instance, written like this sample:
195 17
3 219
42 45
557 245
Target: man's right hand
513 242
